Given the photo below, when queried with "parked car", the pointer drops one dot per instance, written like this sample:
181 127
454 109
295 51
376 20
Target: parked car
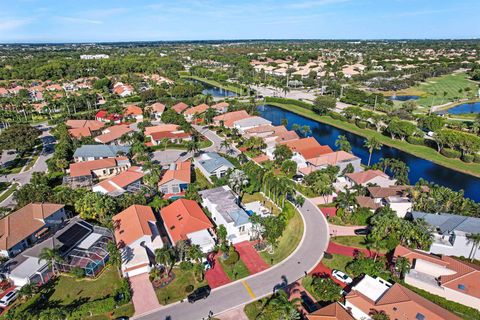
339 275
200 293
362 232
9 298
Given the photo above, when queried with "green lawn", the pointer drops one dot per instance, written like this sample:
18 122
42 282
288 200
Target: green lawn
201 180
337 261
353 241
417 150
176 290
247 198
11 189
253 309
236 271
288 242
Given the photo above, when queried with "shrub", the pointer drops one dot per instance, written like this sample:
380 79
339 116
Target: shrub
416 140
468 158
337 116
450 153
289 101
476 158
77 272
189 288
186 265
232 256
361 124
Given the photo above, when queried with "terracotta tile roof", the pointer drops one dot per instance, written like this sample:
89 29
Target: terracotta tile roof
400 303
180 107
365 176
381 192
333 311
286 136
85 168
93 125
122 180
230 117
183 217
181 171
22 223
332 158
161 128
308 147
466 273
133 223
197 109
3 91
80 132
157 107
133 110
367 202
113 133
221 105
169 135
261 158
265 128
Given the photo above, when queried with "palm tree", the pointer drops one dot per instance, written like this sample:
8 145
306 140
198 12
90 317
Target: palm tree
166 256
346 201
402 266
52 256
372 144
195 253
288 307
378 315
164 142
227 144
237 181
343 144
474 239
193 146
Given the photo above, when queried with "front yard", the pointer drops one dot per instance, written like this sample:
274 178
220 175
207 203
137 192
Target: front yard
179 288
354 242
289 241
247 198
235 271
336 261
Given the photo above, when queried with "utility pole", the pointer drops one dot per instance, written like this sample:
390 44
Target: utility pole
375 105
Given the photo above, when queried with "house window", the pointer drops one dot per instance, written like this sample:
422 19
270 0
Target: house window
175 189
164 190
420 316
241 229
462 287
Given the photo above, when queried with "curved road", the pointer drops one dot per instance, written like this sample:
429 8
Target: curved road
302 260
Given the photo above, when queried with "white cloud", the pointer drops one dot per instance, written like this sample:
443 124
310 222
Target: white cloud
8 24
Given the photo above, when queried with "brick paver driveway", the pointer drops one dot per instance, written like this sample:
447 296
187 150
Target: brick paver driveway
250 257
144 298
216 276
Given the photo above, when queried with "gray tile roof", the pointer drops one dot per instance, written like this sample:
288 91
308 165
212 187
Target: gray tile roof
252 122
227 206
447 222
100 151
216 161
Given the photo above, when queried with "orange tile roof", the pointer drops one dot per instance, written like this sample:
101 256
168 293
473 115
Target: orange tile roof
161 128
365 176
133 223
261 158
93 125
286 136
157 107
122 180
333 311
197 109
399 302
80 132
266 128
331 158
114 133
183 217
180 107
367 202
221 105
22 223
308 147
382 192
230 117
85 168
181 172
156 136
133 110
466 273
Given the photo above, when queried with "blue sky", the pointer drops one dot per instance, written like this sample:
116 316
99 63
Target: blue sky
122 20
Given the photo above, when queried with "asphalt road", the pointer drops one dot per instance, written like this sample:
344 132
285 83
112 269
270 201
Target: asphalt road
305 258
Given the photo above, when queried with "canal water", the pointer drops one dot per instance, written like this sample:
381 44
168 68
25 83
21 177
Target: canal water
403 98
217 92
465 108
419 168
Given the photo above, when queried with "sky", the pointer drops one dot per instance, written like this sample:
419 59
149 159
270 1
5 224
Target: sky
149 20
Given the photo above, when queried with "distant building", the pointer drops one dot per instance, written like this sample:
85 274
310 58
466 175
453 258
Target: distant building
111 135
83 174
94 56
156 110
133 112
370 177
222 203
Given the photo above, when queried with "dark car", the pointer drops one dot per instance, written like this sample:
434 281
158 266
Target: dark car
200 293
362 232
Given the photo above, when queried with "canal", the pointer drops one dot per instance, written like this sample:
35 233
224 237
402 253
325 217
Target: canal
419 168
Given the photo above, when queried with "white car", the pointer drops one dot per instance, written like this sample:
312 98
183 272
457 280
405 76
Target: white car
9 298
339 275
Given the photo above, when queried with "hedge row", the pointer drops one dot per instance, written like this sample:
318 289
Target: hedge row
289 101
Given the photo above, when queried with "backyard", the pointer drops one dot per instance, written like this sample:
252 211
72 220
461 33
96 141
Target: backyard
247 198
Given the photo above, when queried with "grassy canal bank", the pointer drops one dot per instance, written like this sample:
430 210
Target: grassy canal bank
423 152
